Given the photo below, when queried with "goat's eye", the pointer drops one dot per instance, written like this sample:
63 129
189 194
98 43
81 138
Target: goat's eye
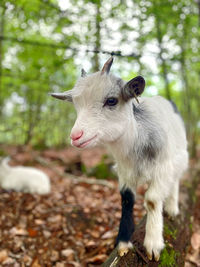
112 101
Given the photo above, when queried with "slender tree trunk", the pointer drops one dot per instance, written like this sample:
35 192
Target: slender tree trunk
33 119
98 19
160 45
140 43
187 92
2 21
185 86
196 130
198 4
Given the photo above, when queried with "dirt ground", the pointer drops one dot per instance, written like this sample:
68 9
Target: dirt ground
77 223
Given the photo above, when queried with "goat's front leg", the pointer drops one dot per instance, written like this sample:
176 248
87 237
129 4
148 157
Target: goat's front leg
126 227
153 241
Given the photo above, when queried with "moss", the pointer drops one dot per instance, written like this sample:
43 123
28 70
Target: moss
103 170
83 169
187 184
190 227
3 153
194 198
170 232
168 257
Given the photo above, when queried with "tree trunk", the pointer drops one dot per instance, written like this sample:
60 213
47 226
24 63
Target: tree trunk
97 38
188 89
187 98
139 42
176 234
161 50
2 20
198 4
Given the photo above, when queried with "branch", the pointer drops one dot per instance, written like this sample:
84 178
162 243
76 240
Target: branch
64 46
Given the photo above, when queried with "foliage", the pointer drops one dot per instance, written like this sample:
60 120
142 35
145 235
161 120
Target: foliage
168 257
103 170
44 44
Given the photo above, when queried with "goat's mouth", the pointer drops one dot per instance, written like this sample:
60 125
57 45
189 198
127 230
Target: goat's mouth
85 143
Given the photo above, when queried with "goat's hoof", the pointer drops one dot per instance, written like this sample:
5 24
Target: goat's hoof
156 256
153 248
124 247
149 255
153 251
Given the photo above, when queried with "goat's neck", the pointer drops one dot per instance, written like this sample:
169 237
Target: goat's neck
122 148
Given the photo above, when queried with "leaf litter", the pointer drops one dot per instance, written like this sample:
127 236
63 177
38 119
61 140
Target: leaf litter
76 224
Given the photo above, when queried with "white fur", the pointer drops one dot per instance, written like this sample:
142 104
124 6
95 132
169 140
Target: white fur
124 248
23 179
125 137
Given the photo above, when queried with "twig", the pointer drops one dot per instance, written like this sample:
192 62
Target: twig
193 263
140 254
64 46
114 263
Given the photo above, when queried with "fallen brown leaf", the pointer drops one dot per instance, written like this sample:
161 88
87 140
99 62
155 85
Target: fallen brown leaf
195 241
3 255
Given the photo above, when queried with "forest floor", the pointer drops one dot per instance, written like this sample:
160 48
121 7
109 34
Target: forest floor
76 224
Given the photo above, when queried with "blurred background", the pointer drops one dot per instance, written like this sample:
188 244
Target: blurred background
43 46
45 43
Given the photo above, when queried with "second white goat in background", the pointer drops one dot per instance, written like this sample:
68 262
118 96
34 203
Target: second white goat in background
23 179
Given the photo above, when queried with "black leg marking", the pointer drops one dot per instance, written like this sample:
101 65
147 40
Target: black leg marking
126 227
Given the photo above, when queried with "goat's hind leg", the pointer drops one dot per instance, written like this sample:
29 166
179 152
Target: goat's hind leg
126 227
171 203
153 241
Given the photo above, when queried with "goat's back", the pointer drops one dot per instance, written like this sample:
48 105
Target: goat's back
164 113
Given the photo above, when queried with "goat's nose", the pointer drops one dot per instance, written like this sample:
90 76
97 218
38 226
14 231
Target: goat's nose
75 136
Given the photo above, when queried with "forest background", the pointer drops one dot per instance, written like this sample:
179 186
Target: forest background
45 43
43 46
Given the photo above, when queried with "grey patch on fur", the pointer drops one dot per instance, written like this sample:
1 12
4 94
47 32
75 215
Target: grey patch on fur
174 107
120 83
83 73
177 111
115 90
151 141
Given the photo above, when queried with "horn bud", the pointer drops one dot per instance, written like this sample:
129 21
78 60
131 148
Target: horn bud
107 66
63 96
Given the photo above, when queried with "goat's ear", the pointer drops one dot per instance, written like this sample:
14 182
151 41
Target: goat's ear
107 66
133 88
63 96
83 73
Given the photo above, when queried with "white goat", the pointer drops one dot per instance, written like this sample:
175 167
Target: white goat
147 140
23 179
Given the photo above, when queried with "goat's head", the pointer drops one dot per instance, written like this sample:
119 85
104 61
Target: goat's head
101 101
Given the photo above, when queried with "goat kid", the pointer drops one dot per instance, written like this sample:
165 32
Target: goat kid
23 179
147 140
